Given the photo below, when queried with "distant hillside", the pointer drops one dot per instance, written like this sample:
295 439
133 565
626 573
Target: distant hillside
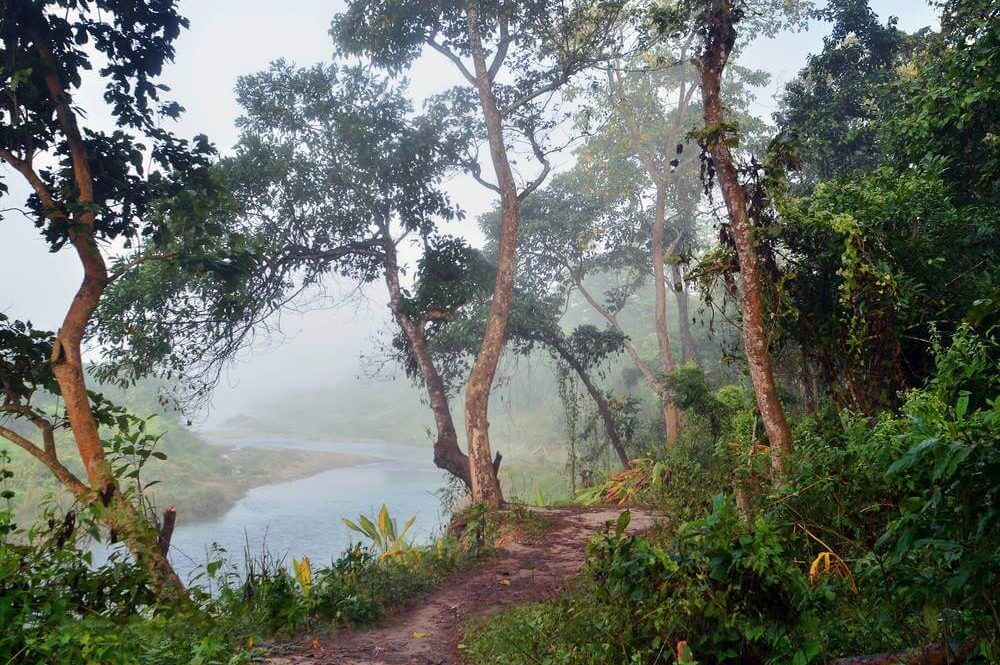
202 480
525 413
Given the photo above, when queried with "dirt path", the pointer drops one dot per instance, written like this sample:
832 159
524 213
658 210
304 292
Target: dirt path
428 633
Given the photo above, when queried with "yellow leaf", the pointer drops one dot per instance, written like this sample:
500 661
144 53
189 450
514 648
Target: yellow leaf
417 635
505 582
250 642
315 643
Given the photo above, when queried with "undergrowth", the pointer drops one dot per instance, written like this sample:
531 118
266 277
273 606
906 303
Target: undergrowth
884 536
57 607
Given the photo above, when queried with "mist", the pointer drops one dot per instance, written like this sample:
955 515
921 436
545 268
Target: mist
318 348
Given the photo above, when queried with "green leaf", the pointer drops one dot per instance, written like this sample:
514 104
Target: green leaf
623 521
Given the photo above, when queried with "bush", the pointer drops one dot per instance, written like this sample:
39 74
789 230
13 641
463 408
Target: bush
884 536
59 609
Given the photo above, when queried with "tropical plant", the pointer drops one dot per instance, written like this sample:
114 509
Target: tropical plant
385 537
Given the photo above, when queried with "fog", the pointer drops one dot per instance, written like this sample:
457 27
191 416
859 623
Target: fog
229 38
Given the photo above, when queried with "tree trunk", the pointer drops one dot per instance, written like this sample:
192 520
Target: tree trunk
447 453
607 415
688 196
721 35
690 351
67 363
807 384
671 414
485 486
652 380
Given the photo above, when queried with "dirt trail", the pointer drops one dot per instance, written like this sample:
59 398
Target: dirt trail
428 632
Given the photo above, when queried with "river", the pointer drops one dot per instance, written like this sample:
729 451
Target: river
303 517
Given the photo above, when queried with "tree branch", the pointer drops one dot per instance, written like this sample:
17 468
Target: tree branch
123 268
65 476
23 166
546 167
446 52
504 43
476 171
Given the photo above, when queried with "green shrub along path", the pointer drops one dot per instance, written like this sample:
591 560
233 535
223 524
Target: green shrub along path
430 630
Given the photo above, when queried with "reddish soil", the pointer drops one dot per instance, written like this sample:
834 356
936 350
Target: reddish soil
429 631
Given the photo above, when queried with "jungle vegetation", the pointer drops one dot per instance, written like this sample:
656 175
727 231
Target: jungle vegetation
780 332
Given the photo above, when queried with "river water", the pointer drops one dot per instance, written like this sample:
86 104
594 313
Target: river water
303 517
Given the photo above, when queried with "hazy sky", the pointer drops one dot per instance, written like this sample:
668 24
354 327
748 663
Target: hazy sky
229 38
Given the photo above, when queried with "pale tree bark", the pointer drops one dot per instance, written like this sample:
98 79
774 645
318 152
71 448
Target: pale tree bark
485 486
448 454
720 37
118 512
660 174
688 205
688 348
667 365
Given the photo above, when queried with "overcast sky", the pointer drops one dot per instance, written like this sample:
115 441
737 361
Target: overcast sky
229 38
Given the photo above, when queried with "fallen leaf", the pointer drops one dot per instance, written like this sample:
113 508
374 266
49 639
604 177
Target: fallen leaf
315 643
417 635
505 582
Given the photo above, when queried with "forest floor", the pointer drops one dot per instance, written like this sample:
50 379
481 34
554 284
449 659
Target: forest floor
429 631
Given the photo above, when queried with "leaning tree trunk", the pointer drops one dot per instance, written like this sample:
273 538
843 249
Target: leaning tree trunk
603 407
448 454
67 363
485 486
653 381
720 36
121 516
672 415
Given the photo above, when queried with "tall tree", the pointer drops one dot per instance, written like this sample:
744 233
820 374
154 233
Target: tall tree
89 187
330 176
538 47
636 121
587 223
715 22
719 39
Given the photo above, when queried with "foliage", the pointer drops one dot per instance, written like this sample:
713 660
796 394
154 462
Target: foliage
898 241
132 44
291 217
386 538
836 102
883 537
60 607
628 487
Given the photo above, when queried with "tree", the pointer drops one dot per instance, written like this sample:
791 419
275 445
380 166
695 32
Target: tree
835 103
898 244
719 38
539 47
330 176
586 223
715 22
87 187
459 275
582 351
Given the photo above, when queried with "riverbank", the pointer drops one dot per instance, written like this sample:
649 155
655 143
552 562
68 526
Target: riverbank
210 497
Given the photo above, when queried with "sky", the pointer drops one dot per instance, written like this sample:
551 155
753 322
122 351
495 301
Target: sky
229 38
